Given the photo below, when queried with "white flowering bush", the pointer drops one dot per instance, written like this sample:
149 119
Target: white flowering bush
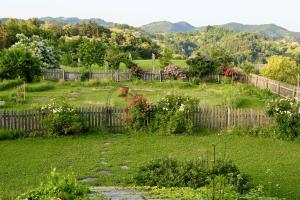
174 72
62 119
172 114
41 49
287 115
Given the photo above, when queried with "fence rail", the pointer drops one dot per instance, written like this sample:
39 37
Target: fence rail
282 89
114 118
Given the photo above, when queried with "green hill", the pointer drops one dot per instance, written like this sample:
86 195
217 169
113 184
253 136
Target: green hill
168 27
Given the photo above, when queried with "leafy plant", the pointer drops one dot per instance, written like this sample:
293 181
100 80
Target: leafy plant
62 119
287 116
194 174
57 187
137 112
19 62
171 114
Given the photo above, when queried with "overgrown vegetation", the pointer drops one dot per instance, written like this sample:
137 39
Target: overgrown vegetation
57 187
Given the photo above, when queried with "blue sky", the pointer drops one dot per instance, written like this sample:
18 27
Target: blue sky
138 12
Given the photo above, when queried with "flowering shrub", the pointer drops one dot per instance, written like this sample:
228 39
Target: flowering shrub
137 72
174 72
287 116
171 114
62 119
137 111
229 73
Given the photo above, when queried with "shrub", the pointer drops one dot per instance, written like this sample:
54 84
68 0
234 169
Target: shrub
137 112
137 72
57 187
19 62
62 119
171 114
287 116
174 72
282 69
200 65
11 134
85 75
7 84
195 174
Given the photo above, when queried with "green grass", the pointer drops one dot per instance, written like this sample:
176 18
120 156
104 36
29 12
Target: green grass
24 163
102 94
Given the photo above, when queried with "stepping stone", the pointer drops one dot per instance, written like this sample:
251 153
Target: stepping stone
118 193
103 172
124 167
103 152
88 180
107 143
102 163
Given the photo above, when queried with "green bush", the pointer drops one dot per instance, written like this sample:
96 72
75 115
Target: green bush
57 187
195 174
171 114
40 87
11 134
7 84
19 62
85 75
287 116
62 119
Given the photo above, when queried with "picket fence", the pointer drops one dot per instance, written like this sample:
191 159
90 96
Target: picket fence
115 118
279 88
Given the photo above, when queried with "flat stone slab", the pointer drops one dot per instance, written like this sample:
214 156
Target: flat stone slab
119 193
124 167
102 163
88 180
103 172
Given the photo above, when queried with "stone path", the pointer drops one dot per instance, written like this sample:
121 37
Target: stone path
112 193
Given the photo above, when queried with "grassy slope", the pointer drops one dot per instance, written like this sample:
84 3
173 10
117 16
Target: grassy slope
79 94
24 163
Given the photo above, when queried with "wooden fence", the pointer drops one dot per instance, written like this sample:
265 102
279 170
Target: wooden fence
114 118
100 75
118 76
282 89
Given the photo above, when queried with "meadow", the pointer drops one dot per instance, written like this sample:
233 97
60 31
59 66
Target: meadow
24 163
93 93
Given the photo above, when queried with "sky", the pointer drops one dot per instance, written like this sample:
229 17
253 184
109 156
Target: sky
284 13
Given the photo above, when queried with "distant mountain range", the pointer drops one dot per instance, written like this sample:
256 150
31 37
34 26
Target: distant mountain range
75 20
268 30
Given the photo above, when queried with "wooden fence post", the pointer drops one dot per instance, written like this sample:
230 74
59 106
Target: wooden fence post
228 117
63 75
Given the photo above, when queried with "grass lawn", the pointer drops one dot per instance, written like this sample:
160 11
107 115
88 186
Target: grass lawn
102 94
24 163
145 64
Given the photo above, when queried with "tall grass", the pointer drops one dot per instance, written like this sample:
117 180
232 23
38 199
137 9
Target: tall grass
40 87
